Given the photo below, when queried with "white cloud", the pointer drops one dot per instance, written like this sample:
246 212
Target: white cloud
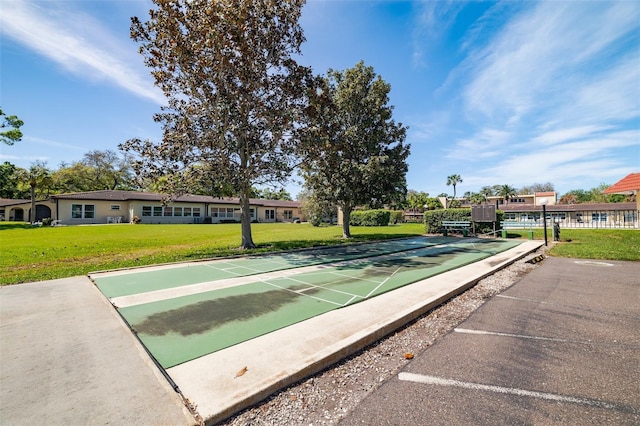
557 85
54 144
487 143
543 55
596 157
568 134
77 42
433 19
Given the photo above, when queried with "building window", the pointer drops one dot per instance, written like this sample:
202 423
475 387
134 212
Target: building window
598 217
288 214
269 214
83 211
510 216
171 211
114 207
628 217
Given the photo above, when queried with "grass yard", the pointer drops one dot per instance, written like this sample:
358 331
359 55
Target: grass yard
34 254
606 244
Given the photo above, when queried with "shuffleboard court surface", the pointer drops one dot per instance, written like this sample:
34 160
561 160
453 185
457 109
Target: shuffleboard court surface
181 328
140 280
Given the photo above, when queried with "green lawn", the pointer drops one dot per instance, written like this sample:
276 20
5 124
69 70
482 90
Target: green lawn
33 254
608 244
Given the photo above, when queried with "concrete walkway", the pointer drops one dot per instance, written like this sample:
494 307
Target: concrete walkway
68 358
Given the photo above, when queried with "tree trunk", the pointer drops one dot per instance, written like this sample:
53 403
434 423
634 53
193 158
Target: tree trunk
32 213
245 219
346 218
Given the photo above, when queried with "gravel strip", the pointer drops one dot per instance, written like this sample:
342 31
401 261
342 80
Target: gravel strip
328 396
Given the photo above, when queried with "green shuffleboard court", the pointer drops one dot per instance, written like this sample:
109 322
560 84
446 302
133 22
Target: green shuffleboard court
186 312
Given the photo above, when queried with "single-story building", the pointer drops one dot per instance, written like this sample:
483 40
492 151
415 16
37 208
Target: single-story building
18 210
587 215
108 206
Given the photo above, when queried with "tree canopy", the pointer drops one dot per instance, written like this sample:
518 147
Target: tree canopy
13 123
96 171
234 94
537 187
506 192
353 152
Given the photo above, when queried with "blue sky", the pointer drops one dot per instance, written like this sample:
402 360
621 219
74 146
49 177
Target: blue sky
498 92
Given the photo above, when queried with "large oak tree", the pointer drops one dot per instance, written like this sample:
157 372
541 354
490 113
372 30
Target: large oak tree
354 153
234 93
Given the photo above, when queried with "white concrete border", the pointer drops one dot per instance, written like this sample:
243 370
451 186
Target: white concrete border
288 355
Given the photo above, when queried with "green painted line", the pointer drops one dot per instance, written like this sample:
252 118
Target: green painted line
187 327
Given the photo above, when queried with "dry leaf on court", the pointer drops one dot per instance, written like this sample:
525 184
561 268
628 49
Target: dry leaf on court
241 372
408 355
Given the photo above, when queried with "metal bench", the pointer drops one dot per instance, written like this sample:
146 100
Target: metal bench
456 225
527 225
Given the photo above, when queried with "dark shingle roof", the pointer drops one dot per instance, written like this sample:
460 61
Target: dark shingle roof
5 202
108 195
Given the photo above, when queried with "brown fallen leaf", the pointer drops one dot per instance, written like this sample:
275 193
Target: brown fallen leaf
408 355
241 372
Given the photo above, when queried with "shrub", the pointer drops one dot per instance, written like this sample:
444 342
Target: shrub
370 218
136 219
433 220
46 221
397 216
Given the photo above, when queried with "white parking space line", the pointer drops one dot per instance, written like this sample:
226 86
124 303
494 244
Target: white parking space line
517 336
438 381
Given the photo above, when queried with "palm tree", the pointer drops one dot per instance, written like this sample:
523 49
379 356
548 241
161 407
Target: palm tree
477 198
38 177
506 192
454 180
487 191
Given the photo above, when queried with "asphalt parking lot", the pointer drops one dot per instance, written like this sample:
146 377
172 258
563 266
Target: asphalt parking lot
562 346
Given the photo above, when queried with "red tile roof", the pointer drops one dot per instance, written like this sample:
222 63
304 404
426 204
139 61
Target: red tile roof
630 183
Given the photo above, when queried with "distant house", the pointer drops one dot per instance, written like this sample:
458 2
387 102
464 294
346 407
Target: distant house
587 215
528 208
107 206
16 210
536 199
628 185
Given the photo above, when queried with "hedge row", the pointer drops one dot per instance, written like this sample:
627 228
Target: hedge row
370 218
